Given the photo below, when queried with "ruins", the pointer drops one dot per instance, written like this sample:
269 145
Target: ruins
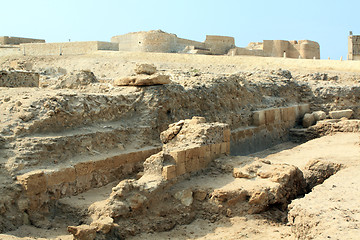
353 47
159 41
130 140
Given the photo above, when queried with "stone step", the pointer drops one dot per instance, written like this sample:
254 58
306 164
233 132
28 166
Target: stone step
41 149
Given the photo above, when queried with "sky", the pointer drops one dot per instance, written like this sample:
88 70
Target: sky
326 22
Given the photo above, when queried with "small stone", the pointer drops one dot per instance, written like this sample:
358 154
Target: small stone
148 69
185 197
308 120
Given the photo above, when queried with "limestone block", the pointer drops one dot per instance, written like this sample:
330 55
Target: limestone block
341 113
143 80
179 156
224 148
303 108
319 115
308 120
240 134
180 169
84 168
195 165
227 134
148 69
65 175
169 172
291 113
258 118
277 114
208 154
269 116
192 153
33 182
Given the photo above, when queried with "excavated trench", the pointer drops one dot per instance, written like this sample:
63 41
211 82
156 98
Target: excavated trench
80 149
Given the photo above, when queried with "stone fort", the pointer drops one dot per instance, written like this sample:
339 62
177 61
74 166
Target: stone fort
159 41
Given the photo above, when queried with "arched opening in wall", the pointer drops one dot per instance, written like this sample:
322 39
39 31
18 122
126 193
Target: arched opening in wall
284 54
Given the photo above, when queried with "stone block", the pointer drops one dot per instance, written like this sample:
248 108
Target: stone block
208 154
179 156
277 115
65 175
258 118
341 113
192 153
269 116
240 134
218 148
308 120
224 148
169 172
227 134
33 182
291 113
319 115
180 169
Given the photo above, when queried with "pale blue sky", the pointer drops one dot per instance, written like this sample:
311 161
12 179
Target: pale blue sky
327 22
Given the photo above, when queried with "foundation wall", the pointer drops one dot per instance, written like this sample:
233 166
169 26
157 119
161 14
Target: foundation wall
194 159
41 186
19 79
10 51
270 126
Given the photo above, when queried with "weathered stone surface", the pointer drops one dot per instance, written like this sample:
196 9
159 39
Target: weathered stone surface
185 197
83 232
148 69
19 79
77 79
341 113
308 120
143 80
319 115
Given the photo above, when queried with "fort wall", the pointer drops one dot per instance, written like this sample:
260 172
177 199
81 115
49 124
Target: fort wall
292 49
5 40
66 48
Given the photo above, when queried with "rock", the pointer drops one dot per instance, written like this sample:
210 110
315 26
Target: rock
103 225
83 232
341 113
148 69
319 115
77 79
308 120
171 132
200 195
26 116
185 197
317 171
240 173
143 80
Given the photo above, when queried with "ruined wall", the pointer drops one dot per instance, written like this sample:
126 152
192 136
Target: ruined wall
9 50
304 48
5 40
19 79
353 47
270 126
246 52
66 48
219 45
159 41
